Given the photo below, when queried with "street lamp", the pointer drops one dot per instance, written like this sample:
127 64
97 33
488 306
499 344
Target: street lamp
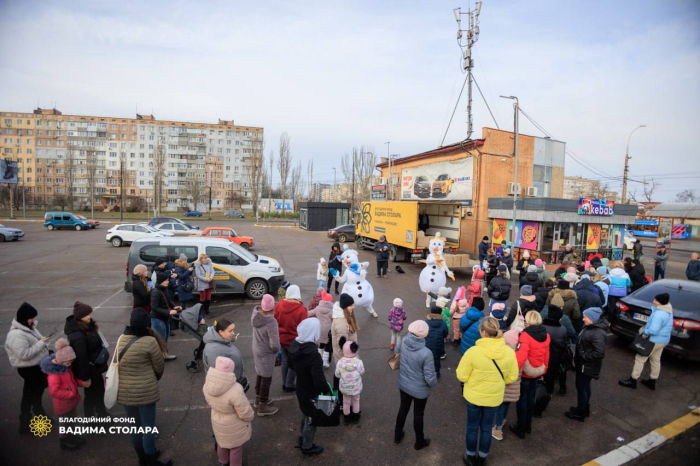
627 161
515 182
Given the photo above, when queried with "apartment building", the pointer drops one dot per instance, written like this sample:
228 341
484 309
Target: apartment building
576 187
60 154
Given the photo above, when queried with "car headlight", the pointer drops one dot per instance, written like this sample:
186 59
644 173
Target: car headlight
274 268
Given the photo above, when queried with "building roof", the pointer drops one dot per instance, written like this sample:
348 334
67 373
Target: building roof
435 152
676 210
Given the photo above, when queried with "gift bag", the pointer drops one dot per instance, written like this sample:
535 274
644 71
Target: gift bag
327 410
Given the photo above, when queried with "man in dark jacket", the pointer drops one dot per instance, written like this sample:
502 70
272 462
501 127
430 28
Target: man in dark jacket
499 287
542 293
660 261
423 221
637 275
437 332
557 346
587 293
530 278
483 247
692 272
307 363
381 249
590 351
637 248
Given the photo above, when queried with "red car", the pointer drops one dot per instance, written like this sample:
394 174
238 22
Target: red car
229 234
93 223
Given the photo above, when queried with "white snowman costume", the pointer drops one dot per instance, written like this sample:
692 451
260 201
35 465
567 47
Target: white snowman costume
354 281
434 275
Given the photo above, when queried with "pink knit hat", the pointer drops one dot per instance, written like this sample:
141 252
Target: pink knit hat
64 352
350 349
538 262
419 328
224 364
268 303
498 307
511 337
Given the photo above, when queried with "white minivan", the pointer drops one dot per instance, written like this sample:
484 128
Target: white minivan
237 270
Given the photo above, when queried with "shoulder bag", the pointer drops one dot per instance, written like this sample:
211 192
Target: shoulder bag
327 409
519 321
103 356
112 377
641 344
212 283
499 369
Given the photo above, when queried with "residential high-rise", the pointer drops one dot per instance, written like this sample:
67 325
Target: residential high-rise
62 154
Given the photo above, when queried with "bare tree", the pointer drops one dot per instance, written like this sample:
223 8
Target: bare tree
91 165
310 179
60 201
255 168
70 173
357 170
159 157
283 165
687 195
294 184
270 175
236 198
194 190
649 188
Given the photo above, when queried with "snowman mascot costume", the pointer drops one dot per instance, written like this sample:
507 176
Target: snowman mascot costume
354 280
434 275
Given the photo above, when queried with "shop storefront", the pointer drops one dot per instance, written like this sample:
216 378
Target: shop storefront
546 226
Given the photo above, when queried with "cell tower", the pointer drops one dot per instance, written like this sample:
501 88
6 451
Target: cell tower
472 35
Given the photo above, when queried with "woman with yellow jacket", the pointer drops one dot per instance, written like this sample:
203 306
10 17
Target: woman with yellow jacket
485 370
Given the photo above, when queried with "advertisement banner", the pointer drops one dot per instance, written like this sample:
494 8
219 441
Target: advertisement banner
8 172
445 181
378 191
597 207
500 231
526 234
593 241
617 236
398 221
665 232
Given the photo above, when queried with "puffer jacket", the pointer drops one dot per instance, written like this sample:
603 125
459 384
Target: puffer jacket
542 273
620 283
349 371
396 317
469 337
558 340
340 328
570 298
63 387
266 342
541 295
533 346
502 284
483 383
86 346
231 414
139 371
324 313
638 277
289 314
532 279
334 260
590 348
438 331
475 287
587 295
215 345
161 303
142 295
201 271
24 346
564 321
417 369
311 382
660 324
604 288
183 276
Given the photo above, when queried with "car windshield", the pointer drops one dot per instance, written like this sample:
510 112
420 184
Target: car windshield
422 178
442 177
151 229
680 299
249 256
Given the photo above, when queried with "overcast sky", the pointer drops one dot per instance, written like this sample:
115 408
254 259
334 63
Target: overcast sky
340 74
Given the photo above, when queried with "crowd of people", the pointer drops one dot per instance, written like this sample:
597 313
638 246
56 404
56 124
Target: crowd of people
557 324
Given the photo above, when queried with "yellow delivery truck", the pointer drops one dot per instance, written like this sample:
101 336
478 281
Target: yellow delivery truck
399 222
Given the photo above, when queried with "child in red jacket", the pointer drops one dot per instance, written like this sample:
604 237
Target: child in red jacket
63 388
476 286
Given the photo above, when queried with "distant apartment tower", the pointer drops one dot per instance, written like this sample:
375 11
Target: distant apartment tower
576 187
56 154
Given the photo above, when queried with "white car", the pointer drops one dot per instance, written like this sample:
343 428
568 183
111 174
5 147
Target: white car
130 232
177 229
628 241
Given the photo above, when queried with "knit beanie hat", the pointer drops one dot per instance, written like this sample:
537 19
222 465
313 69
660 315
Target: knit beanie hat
25 312
532 268
81 310
526 290
442 302
478 302
602 270
160 261
346 301
293 292
326 296
586 276
350 349
557 300
663 298
183 257
526 254
268 303
485 238
64 352
572 278
538 262
435 309
580 268
398 302
496 306
463 303
511 337
319 291
593 313
419 328
502 268
161 277
571 270
224 364
555 312
285 284
563 284
139 319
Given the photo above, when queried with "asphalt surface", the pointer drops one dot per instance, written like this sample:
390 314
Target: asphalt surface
53 269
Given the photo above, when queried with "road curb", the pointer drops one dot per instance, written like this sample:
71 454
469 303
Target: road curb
649 442
276 226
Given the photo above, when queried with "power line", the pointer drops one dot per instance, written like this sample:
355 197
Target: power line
455 109
484 98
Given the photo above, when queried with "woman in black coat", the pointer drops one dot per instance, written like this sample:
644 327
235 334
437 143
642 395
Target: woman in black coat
334 263
139 288
637 275
91 358
162 308
499 287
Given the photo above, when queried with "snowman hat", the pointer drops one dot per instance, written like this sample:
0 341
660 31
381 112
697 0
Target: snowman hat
439 237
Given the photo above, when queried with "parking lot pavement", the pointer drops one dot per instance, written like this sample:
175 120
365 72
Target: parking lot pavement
53 269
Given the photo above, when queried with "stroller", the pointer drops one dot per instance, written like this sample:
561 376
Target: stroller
189 322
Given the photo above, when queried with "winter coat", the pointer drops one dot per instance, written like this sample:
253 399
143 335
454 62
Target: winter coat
542 273
638 277
231 414
660 324
605 290
321 272
541 295
692 272
334 260
469 337
558 340
142 295
139 371
24 346
340 328
289 314
590 348
474 289
620 283
500 316
349 371
215 345
201 271
559 272
183 276
380 253
523 264
565 322
483 383
492 265
266 342
532 279
526 305
161 304
502 284
86 346
507 261
570 298
483 247
438 331
660 260
307 363
417 369
587 295
63 387
397 316
533 346
324 313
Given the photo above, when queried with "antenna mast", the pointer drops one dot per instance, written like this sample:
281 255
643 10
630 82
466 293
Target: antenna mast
472 35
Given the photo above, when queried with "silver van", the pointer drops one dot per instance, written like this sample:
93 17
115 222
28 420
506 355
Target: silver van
237 270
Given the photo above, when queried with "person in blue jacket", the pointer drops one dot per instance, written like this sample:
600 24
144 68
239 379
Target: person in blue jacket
658 330
469 324
183 283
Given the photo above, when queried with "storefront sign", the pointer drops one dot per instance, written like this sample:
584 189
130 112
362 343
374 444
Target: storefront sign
597 207
593 240
379 191
449 181
526 234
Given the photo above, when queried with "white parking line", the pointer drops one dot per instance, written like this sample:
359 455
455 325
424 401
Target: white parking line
103 302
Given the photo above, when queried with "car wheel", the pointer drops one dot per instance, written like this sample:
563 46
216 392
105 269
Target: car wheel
2 238
245 245
78 228
117 242
342 238
50 227
256 288
392 253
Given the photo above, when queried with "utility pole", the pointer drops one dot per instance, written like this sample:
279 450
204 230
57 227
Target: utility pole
391 181
122 165
627 162
352 204
515 182
210 176
468 62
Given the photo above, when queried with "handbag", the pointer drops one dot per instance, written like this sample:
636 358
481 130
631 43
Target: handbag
542 397
212 283
519 321
641 344
567 359
112 377
327 410
394 361
188 286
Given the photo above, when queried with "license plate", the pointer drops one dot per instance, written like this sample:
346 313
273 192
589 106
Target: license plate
641 317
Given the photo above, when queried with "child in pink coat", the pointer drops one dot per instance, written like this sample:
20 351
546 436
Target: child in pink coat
349 370
476 286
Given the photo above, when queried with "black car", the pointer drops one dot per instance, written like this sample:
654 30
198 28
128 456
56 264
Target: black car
421 187
158 220
342 233
633 312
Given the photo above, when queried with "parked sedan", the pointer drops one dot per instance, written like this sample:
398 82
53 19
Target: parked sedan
234 214
93 223
192 213
129 232
178 229
158 220
633 312
342 233
10 234
229 234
